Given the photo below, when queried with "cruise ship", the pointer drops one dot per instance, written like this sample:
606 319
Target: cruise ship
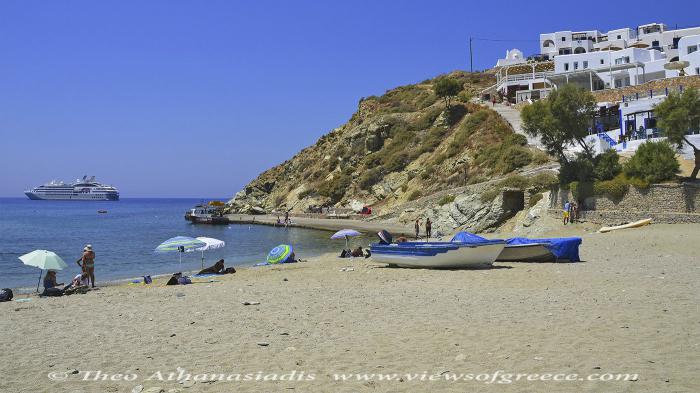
85 189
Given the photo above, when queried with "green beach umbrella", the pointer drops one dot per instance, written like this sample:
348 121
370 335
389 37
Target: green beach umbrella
180 244
44 260
279 254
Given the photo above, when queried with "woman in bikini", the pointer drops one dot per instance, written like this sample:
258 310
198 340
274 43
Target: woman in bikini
88 263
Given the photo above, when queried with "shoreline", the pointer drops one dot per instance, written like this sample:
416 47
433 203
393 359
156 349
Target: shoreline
322 224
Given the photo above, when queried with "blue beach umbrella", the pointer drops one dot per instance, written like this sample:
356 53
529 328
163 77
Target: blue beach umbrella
180 244
345 234
279 254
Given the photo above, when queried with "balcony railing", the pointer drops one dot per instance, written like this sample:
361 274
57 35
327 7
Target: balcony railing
651 94
525 77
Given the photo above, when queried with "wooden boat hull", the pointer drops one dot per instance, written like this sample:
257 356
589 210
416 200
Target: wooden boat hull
437 255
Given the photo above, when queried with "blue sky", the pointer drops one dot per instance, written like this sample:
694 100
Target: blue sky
194 99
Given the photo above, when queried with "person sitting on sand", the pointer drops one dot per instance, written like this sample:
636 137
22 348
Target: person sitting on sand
80 280
218 268
358 252
50 280
80 283
51 287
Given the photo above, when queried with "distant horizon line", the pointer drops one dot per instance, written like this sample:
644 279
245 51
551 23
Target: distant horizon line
120 198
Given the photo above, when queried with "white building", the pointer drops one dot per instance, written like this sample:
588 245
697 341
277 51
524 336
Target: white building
595 60
610 68
689 50
652 36
513 56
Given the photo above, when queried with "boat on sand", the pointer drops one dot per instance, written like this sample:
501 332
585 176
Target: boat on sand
522 249
437 254
635 224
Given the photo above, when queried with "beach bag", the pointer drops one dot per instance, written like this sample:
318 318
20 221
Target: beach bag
6 295
184 280
147 280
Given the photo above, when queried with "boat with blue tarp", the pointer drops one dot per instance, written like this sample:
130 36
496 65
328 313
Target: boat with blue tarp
479 253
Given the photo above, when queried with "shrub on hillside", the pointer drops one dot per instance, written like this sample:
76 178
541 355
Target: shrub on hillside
455 113
516 139
335 188
304 193
370 178
415 194
446 199
543 181
614 188
426 120
396 162
539 157
653 162
607 165
579 169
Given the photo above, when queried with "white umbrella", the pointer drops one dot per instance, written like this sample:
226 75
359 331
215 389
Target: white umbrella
210 244
345 233
44 260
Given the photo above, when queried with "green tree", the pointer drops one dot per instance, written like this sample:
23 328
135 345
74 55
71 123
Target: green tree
653 162
678 114
607 165
561 119
446 88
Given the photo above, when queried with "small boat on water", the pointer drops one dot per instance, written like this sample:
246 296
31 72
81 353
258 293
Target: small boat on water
206 214
102 211
436 254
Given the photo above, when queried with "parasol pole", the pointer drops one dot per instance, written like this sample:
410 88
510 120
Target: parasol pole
346 241
41 271
202 259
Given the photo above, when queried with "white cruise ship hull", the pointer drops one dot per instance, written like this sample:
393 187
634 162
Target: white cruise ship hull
77 197
87 189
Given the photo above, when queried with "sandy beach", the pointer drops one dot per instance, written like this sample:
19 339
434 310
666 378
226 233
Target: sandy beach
630 308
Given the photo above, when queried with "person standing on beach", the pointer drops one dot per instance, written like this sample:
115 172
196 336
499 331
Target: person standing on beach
417 227
428 229
88 263
567 207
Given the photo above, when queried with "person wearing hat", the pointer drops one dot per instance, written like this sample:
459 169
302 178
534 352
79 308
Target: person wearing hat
88 263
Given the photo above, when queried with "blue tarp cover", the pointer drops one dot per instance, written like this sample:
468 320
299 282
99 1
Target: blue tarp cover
561 247
466 237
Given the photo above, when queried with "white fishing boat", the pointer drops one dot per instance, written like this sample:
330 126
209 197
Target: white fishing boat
438 254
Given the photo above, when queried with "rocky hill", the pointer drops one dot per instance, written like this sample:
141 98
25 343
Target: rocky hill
403 146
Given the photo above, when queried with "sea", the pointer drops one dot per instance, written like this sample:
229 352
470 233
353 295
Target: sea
124 238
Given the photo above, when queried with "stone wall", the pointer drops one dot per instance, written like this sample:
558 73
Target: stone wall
614 95
669 203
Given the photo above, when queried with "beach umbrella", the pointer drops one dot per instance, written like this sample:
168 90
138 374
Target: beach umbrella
180 244
345 234
44 260
210 244
279 254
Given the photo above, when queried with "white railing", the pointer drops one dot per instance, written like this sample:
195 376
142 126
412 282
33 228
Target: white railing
524 77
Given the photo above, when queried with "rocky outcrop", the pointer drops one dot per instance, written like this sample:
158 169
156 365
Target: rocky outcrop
395 153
